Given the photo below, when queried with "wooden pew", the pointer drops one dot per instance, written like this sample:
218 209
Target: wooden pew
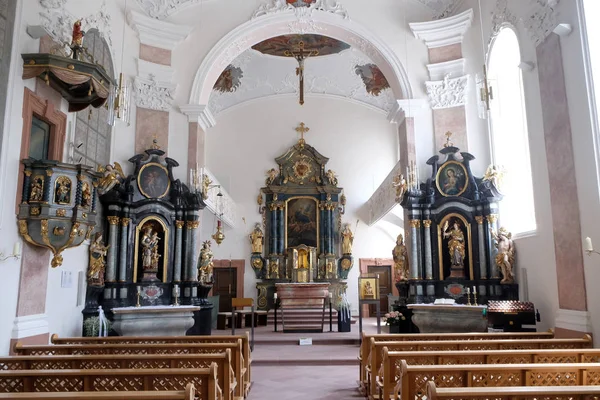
188 394
513 393
413 380
134 349
376 351
112 380
389 372
225 374
365 344
55 339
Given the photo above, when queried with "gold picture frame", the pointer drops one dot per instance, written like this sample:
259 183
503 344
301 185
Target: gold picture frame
368 287
318 220
163 180
455 184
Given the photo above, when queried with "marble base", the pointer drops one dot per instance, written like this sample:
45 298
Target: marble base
430 318
153 321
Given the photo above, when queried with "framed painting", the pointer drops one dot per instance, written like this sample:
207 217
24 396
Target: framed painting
301 222
368 287
451 179
153 181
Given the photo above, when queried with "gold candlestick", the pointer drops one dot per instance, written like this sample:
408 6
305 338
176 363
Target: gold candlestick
468 298
176 299
137 304
475 298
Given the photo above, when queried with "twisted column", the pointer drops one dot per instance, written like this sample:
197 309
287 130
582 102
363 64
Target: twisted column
428 259
26 187
178 248
123 249
481 238
414 255
111 262
492 224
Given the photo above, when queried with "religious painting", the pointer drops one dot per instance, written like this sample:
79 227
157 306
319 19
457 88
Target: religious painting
315 45
451 179
368 287
229 80
62 190
301 222
153 181
373 78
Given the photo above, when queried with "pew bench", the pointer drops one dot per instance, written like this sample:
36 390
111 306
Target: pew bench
514 393
112 380
188 394
225 374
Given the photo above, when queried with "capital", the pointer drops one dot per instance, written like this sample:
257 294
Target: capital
113 220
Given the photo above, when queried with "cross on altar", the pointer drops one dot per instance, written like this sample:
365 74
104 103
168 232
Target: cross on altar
302 129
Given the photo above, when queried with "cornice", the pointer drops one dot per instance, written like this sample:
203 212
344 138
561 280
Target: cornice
199 113
162 34
406 108
443 32
454 69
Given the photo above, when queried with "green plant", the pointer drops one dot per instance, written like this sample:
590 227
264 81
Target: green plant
91 327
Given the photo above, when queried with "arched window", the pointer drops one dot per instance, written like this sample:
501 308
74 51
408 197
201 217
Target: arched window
92 129
509 137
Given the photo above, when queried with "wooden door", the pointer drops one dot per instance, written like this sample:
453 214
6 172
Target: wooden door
385 287
225 286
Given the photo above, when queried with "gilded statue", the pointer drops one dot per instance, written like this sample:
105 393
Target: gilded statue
456 244
271 175
206 182
347 239
505 259
37 189
150 254
400 184
495 175
77 39
112 174
205 264
86 195
96 268
256 239
332 177
400 255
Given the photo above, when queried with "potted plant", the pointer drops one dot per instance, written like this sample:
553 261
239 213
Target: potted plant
393 320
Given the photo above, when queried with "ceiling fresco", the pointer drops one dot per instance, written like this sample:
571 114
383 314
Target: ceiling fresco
317 45
300 3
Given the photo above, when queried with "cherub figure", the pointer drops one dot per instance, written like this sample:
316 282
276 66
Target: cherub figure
332 177
400 184
271 175
112 175
495 175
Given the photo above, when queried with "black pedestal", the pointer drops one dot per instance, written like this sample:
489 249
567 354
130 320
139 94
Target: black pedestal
344 324
202 317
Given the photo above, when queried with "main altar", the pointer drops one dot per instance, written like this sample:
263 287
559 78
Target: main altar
303 240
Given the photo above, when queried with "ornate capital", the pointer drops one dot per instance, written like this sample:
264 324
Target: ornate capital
179 224
49 172
415 223
192 224
113 220
427 223
27 173
492 218
154 95
450 92
479 219
125 221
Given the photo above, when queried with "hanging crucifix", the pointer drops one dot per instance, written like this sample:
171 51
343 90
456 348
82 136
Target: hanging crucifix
301 54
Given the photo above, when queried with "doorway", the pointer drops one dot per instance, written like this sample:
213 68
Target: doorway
385 287
225 286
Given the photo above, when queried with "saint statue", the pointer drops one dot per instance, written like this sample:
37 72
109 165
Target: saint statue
456 244
205 264
400 255
86 195
505 259
77 40
150 249
96 268
256 239
37 188
347 239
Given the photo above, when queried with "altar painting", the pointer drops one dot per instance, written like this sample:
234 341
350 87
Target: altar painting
153 181
451 179
302 222
151 250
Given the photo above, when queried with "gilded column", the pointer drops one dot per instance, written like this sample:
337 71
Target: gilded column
492 223
178 247
192 227
123 249
414 254
111 263
428 259
481 238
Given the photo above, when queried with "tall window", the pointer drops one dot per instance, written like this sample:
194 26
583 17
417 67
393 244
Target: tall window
510 141
92 130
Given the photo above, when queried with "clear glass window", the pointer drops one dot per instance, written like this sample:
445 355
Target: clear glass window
39 141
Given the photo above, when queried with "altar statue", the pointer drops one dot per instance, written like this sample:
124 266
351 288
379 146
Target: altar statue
256 239
347 239
399 183
332 177
96 268
111 176
150 249
77 39
400 255
505 259
205 264
456 244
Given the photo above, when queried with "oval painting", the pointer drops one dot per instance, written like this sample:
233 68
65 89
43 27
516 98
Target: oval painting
153 181
451 179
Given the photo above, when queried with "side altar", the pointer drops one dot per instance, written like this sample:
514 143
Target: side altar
301 239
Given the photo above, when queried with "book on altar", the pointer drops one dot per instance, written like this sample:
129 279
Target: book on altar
445 301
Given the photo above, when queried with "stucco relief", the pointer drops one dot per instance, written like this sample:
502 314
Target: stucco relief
277 6
442 8
447 93
542 21
153 95
161 9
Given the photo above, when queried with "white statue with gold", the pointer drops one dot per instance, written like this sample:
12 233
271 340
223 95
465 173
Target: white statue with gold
400 185
400 255
347 239
505 259
97 264
112 174
256 239
205 264
456 244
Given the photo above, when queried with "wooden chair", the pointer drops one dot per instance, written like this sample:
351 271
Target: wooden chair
241 303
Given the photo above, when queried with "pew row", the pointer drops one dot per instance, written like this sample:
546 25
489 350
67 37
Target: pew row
55 339
237 358
389 372
365 344
188 394
514 393
112 380
412 383
225 374
376 350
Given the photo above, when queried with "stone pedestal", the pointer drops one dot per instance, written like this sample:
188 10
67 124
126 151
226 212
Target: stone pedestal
433 318
154 320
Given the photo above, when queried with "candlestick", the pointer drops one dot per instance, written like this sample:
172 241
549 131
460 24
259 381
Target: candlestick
474 289
588 244
275 296
17 249
468 290
137 304
475 299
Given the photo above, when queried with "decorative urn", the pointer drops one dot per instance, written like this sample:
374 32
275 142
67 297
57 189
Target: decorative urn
58 207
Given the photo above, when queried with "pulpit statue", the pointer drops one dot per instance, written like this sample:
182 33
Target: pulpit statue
96 268
347 239
505 259
205 264
400 255
256 239
456 248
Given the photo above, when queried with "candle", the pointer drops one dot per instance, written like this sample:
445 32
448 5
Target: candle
474 290
468 290
588 244
17 249
176 290
330 295
275 296
139 289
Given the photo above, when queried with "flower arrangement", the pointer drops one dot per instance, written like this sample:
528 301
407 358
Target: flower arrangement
393 318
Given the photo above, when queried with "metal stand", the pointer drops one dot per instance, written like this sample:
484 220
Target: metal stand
275 315
360 315
330 317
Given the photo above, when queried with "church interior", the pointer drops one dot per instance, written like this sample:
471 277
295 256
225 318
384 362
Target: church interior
236 199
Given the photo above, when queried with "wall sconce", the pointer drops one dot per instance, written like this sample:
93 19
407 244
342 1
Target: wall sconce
16 253
589 247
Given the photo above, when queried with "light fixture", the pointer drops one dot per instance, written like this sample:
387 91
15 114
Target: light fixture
589 247
219 236
120 97
486 93
16 253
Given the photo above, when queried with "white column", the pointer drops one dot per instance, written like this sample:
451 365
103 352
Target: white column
482 258
123 249
111 264
178 246
428 259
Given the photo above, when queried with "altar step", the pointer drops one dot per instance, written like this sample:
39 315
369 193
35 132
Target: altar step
304 317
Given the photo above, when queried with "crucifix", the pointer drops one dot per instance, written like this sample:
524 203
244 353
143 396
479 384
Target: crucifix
300 54
302 129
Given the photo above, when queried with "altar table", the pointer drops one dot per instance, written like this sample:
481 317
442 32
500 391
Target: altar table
445 318
153 320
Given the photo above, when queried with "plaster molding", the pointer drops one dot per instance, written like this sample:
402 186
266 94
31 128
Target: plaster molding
408 108
161 34
281 6
162 73
442 8
200 114
580 321
30 325
443 32
502 16
161 9
448 92
542 20
453 69
153 95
